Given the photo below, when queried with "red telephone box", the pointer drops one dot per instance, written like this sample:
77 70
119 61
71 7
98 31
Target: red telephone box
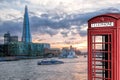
104 47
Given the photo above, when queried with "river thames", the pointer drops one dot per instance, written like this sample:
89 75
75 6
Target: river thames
72 69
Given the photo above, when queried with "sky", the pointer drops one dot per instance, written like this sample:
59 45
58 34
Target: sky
59 22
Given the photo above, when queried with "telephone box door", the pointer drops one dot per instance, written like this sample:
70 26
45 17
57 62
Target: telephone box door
100 55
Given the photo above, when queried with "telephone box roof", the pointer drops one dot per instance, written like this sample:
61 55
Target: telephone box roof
113 15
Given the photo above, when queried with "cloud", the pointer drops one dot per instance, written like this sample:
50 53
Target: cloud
10 14
65 33
15 28
72 38
43 22
75 41
13 4
83 33
72 6
51 24
60 6
48 30
40 40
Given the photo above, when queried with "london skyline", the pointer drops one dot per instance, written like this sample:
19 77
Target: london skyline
60 23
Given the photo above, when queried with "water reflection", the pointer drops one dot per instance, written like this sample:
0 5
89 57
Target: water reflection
72 69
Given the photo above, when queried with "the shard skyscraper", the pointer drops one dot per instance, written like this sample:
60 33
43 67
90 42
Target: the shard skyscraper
26 36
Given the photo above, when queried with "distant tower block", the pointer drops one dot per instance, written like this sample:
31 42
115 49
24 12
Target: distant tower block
6 38
26 36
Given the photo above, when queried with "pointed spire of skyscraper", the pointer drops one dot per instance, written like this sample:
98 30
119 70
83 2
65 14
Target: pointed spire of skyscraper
26 36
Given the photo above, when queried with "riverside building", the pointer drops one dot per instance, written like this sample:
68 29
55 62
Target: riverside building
25 47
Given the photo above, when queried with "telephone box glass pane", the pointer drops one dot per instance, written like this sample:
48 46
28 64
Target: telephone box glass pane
98 46
101 57
98 39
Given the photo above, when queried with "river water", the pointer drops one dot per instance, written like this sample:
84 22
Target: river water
72 69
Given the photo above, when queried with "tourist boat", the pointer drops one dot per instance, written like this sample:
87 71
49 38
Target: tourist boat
49 62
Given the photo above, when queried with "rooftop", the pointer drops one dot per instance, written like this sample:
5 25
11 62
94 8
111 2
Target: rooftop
114 15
